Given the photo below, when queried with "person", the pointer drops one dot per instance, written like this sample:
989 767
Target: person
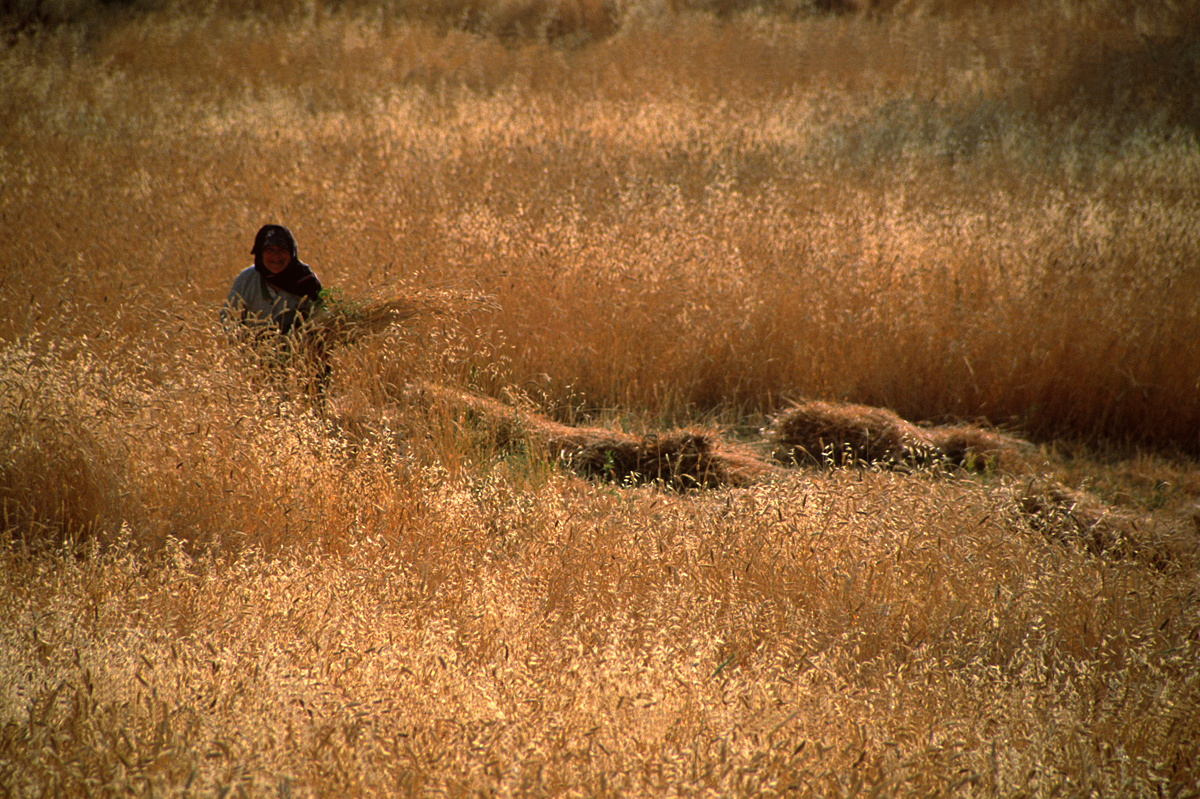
278 290
269 301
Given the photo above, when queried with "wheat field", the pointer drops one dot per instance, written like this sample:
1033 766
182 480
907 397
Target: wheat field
594 270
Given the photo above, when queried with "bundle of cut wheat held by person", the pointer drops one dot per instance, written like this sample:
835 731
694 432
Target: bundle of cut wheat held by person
344 320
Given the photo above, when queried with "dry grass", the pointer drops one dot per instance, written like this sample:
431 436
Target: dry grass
871 628
563 235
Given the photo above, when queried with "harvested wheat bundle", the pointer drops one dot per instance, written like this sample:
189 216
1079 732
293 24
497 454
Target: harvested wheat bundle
1069 516
503 423
976 449
841 433
343 320
681 459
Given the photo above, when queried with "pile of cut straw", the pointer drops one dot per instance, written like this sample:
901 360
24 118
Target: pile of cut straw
678 459
842 433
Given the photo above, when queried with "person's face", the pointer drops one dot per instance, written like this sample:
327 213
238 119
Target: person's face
275 259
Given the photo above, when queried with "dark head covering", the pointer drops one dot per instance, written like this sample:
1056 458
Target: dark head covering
296 277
